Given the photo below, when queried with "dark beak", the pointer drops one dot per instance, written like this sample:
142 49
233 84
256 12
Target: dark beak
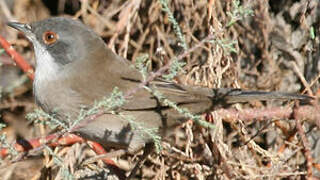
25 28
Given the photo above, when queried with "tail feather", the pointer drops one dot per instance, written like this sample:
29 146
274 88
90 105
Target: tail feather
237 95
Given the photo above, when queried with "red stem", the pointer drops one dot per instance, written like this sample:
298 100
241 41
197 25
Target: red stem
18 59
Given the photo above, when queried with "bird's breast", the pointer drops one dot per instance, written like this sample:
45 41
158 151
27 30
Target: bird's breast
56 97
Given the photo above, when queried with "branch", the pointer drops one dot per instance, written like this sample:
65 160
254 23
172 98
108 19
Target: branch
18 59
306 112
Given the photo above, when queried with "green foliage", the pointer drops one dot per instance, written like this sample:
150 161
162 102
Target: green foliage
149 132
111 103
176 28
39 116
141 64
4 143
175 68
2 51
115 100
196 118
63 170
238 12
312 33
227 45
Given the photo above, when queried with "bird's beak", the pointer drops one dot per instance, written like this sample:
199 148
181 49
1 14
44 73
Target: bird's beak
25 28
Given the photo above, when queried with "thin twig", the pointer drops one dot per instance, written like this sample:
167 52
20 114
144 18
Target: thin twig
302 79
306 144
19 60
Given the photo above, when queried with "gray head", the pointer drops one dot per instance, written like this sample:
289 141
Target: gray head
59 41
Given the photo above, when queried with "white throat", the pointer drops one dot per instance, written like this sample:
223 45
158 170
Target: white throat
47 69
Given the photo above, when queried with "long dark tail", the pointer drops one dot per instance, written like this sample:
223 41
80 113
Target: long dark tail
229 95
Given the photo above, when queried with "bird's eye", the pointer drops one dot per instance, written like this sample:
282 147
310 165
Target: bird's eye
49 37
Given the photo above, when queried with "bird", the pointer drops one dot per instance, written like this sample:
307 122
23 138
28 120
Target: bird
75 68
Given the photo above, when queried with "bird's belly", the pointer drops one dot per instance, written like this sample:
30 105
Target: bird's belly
130 130
57 99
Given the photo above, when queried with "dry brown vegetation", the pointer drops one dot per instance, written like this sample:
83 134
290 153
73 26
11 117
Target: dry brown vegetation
275 51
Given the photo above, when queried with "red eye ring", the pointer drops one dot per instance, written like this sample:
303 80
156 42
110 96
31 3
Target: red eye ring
49 37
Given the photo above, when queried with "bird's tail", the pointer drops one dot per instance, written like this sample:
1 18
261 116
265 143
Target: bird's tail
229 95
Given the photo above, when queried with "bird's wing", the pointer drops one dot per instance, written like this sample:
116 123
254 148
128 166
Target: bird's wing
112 71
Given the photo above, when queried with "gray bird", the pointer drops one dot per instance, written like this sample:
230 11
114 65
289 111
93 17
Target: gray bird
74 68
